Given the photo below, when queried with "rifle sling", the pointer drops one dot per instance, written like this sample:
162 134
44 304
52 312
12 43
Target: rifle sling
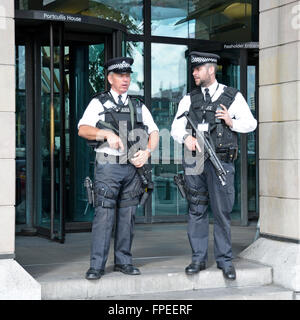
107 125
131 113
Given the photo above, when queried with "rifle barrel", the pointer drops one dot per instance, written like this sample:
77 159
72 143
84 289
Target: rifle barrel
221 173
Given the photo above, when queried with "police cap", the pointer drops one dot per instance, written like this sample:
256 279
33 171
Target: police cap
119 65
200 58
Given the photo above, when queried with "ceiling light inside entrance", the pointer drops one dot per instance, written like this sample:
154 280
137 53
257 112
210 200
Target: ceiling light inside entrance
238 10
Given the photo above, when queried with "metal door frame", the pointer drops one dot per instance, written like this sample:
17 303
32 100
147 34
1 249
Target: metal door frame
33 42
51 233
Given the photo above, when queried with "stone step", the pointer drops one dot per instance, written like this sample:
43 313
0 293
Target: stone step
154 279
267 292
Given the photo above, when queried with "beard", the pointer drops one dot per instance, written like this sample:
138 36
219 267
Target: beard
205 82
202 83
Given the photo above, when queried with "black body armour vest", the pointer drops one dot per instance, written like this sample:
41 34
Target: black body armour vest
129 116
222 137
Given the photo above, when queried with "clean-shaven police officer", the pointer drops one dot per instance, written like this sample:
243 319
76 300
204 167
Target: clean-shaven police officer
222 125
116 182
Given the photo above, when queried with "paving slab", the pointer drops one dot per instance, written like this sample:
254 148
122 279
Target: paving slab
156 277
267 292
161 251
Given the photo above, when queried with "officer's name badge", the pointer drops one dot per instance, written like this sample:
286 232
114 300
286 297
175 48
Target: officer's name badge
203 126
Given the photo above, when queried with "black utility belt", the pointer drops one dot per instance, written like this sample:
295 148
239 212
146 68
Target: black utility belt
227 155
113 159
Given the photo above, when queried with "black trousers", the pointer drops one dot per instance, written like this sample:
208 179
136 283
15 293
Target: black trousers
111 182
221 199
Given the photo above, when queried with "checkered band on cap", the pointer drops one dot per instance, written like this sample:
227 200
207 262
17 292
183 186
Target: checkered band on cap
203 60
123 65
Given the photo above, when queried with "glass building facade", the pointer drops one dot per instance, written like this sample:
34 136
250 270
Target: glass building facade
60 50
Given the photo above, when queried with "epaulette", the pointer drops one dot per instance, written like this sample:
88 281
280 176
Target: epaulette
96 95
230 92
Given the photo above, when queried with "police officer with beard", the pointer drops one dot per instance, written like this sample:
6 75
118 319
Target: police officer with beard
220 112
116 183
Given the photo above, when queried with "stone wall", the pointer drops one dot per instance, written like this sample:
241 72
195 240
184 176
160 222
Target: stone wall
279 115
15 282
7 128
279 139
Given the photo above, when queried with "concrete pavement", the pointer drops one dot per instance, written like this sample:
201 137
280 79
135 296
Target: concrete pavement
161 251
162 241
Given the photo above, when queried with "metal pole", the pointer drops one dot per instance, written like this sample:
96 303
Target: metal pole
29 54
62 132
147 92
52 172
243 144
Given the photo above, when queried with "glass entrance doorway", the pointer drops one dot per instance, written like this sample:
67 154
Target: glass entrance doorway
58 72
83 77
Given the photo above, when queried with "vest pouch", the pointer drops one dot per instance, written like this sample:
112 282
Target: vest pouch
224 138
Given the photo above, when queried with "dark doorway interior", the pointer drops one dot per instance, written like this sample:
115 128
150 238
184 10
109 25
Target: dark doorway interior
59 69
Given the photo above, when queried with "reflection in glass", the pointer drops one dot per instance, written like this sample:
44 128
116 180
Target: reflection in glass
87 79
164 18
96 69
168 87
44 215
83 77
126 12
251 149
217 20
220 20
20 136
135 50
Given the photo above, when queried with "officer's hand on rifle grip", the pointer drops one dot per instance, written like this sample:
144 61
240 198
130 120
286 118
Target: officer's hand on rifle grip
192 143
114 141
140 158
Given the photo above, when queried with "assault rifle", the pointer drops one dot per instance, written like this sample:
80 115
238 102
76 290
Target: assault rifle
143 172
221 173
